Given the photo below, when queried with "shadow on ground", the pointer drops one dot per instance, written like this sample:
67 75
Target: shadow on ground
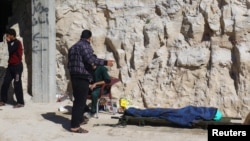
58 119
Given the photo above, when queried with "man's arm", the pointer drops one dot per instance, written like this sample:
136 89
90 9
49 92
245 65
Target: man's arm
91 58
13 46
105 76
92 86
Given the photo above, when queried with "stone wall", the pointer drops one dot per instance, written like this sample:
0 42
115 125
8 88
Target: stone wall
168 53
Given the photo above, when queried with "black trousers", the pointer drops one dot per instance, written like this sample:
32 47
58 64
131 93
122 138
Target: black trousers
80 88
13 72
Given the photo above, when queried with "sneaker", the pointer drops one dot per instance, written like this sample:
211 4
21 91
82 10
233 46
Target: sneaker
2 104
84 122
89 115
18 106
85 118
93 115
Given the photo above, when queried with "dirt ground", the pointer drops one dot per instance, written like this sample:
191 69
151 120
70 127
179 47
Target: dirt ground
43 122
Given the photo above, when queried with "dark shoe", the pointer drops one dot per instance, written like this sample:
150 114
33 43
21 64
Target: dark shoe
2 104
90 115
93 114
18 106
84 122
79 130
85 118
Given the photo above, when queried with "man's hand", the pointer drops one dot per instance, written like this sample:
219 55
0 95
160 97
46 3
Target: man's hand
92 86
110 63
7 38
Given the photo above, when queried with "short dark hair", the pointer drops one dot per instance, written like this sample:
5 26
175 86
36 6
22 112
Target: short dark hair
11 31
86 34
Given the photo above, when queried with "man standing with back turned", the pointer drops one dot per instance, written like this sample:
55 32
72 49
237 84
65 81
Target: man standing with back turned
14 70
81 58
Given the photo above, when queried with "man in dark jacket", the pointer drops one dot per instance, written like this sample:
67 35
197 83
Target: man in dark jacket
14 70
81 57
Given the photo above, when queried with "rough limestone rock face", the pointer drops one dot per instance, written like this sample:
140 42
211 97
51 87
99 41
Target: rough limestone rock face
168 53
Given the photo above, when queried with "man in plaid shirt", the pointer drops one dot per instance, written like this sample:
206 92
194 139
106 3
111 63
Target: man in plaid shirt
81 58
